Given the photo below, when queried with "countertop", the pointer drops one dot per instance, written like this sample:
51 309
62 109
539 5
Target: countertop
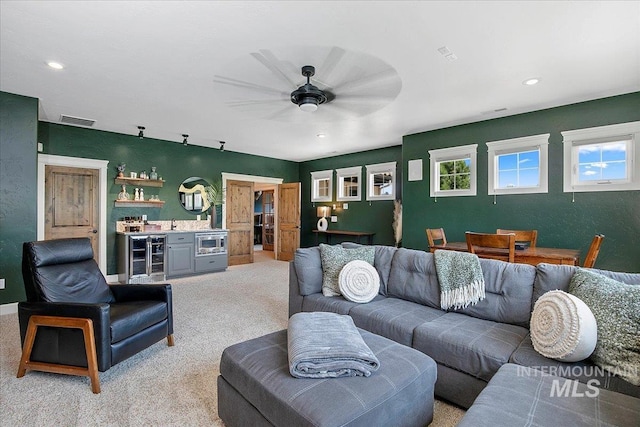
135 233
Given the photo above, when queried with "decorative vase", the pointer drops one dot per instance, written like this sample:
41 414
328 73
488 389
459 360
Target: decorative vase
322 224
153 174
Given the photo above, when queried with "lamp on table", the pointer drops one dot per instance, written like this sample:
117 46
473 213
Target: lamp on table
323 212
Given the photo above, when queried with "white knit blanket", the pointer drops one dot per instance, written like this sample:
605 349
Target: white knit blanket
460 278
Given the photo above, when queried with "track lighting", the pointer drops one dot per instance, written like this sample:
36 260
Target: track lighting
184 141
222 145
141 132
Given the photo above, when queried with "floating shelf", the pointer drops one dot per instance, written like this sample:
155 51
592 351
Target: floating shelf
140 182
139 203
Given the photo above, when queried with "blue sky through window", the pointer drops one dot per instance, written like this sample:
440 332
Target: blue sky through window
603 161
519 169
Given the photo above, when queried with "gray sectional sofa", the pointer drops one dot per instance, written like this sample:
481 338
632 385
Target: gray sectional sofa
468 345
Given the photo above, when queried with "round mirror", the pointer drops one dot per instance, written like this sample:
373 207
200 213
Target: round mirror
193 196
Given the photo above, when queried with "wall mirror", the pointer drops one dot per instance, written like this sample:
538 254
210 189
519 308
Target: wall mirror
192 195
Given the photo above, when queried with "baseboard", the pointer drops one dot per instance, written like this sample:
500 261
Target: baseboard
113 278
10 308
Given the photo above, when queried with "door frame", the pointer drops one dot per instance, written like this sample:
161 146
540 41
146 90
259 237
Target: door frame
77 162
255 179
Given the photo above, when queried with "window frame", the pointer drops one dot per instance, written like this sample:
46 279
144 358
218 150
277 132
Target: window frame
355 171
317 176
515 146
453 153
573 139
388 167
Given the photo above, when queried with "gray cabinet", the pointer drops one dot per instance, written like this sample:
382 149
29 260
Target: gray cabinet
205 264
180 248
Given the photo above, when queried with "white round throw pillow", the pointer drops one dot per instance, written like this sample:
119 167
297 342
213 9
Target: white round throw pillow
563 327
359 281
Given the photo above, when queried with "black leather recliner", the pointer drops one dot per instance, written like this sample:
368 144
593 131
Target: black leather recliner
62 279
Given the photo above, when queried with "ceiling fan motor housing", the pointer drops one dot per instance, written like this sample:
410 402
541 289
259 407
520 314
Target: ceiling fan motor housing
308 96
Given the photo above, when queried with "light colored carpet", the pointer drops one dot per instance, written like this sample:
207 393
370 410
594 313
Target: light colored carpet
162 386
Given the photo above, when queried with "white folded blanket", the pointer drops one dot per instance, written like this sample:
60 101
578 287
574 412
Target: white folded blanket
327 345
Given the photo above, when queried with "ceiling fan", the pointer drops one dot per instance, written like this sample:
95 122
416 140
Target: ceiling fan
346 84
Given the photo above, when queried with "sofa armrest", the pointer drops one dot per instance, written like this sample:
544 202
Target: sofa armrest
98 313
295 298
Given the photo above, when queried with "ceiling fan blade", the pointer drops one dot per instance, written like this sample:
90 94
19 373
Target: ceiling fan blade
271 62
246 85
353 98
333 58
284 113
357 82
254 102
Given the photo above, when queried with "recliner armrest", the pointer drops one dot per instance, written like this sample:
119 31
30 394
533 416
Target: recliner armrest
159 292
99 314
155 292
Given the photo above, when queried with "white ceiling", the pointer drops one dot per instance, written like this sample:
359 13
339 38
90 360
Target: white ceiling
168 66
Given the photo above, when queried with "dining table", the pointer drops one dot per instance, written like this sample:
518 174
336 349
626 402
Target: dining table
528 255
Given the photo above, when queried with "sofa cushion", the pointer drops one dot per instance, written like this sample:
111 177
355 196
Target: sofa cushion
334 258
129 318
519 396
393 318
308 265
582 371
552 276
508 288
477 347
413 277
318 302
616 307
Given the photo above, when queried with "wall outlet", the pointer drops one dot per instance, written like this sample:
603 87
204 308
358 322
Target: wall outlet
1 283
345 206
334 218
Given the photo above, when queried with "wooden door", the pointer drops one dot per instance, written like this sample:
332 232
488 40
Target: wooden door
71 204
268 220
239 218
288 220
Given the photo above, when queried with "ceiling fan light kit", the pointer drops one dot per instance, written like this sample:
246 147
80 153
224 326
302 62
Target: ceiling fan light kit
308 96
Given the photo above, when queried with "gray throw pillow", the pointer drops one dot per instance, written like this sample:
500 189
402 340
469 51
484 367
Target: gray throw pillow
334 258
616 307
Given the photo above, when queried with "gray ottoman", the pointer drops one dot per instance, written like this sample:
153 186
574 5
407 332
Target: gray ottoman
521 396
255 388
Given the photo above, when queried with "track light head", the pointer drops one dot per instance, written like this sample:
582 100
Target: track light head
184 141
141 131
222 145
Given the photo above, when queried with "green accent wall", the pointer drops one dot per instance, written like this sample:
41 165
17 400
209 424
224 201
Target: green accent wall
18 187
560 222
376 216
173 161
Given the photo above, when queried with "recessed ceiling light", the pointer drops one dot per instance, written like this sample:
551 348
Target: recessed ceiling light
55 65
321 135
531 82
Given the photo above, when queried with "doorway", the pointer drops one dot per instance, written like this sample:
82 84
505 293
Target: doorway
83 172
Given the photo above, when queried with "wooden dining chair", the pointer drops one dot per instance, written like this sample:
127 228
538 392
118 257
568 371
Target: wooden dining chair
594 250
485 240
435 234
529 236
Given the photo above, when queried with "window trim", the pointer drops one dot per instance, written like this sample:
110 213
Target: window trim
381 168
513 146
319 175
453 153
348 172
572 139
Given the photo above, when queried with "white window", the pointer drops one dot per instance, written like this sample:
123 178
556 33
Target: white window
605 158
381 181
322 186
453 171
349 180
518 165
